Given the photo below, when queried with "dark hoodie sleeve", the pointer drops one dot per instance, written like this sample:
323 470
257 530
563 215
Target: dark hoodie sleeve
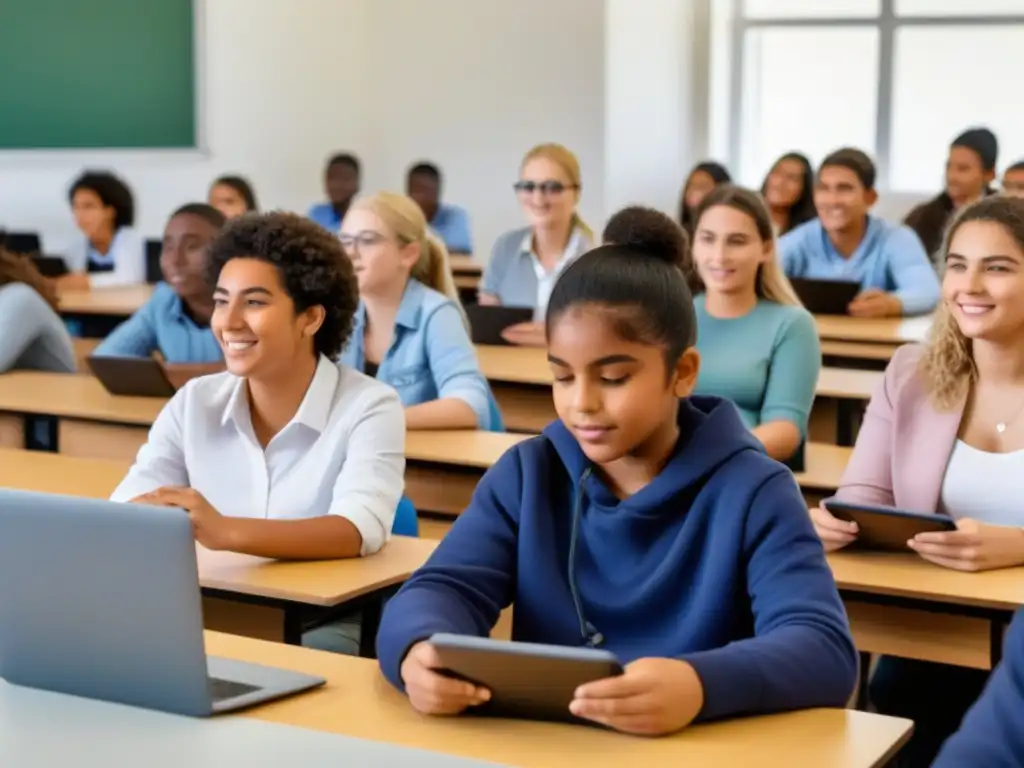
992 733
468 580
801 654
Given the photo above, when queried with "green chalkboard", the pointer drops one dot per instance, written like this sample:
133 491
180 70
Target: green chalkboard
97 73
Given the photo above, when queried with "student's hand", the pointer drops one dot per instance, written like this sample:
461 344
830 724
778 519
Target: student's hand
73 281
432 693
487 299
833 532
525 334
875 303
973 546
652 698
211 528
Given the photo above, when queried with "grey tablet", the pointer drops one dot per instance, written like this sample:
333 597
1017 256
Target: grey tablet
825 297
526 680
885 527
487 323
136 376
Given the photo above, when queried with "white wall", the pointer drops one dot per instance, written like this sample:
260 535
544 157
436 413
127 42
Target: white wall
282 89
470 84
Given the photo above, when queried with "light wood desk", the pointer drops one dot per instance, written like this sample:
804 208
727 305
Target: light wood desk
108 302
245 595
886 330
902 605
357 701
465 265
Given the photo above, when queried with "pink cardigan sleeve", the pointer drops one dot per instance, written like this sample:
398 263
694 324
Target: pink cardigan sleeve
868 476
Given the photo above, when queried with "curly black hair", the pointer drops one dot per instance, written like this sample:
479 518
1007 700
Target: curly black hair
113 192
313 267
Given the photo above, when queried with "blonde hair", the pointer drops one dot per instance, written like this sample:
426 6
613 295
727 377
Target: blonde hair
771 282
566 160
407 223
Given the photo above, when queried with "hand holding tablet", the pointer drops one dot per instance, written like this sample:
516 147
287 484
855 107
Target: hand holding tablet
875 527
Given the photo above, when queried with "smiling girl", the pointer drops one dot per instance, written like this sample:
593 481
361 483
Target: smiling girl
945 433
758 345
600 529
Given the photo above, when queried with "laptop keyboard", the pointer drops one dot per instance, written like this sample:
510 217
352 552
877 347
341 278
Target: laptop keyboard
228 689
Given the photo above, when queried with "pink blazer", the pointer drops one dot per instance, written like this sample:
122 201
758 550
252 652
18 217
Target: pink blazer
904 444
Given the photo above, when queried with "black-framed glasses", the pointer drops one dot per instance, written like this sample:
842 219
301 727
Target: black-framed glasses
544 187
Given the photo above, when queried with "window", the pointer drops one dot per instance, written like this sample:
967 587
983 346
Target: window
791 106
941 86
958 7
811 9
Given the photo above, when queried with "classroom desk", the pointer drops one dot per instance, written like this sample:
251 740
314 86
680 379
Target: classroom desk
108 302
358 702
521 381
902 605
463 264
40 729
245 595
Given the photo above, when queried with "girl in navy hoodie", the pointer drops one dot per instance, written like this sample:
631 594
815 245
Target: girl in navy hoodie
644 521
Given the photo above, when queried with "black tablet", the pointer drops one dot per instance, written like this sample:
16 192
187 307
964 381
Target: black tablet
137 376
487 323
885 527
526 680
825 297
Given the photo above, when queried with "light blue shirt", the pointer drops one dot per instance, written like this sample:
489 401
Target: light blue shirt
430 357
889 258
124 263
325 215
766 362
32 335
161 325
451 224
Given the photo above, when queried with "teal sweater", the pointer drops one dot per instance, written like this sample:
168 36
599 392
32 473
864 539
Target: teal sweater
766 362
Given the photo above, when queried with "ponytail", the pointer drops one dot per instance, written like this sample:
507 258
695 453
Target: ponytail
434 269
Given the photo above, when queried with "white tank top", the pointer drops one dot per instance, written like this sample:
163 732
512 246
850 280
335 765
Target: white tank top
984 486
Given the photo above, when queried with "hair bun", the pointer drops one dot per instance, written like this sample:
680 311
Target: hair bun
650 232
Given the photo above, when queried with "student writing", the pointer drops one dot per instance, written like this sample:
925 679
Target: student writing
341 182
788 190
175 322
32 334
233 196
110 252
702 179
286 455
409 328
945 432
449 222
525 263
846 243
970 170
759 347
645 521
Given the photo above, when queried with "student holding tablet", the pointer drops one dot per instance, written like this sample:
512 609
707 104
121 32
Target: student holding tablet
645 521
410 332
945 433
525 263
32 334
110 252
759 347
286 455
175 322
233 196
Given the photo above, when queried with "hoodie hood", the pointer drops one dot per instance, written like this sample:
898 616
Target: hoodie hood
710 433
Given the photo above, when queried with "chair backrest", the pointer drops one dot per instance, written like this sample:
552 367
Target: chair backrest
153 271
406 523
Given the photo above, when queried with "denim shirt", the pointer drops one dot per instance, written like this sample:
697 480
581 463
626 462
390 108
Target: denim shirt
161 325
430 357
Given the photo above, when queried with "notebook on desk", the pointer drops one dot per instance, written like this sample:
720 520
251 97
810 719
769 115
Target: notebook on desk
486 323
102 600
133 376
825 297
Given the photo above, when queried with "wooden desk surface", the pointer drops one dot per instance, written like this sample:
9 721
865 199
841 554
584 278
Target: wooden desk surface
52 473
105 301
73 396
907 575
464 264
357 701
847 383
463 447
887 330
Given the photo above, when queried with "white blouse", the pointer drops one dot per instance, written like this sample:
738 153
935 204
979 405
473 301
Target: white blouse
343 453
984 486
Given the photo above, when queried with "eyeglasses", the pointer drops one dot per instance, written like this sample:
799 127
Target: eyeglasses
544 187
356 243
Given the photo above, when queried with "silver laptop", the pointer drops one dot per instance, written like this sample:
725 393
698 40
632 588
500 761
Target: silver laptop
102 600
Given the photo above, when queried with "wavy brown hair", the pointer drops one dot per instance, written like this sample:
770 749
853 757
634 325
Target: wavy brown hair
15 268
947 365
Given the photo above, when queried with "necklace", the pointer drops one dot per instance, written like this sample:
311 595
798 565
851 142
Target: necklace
1002 425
